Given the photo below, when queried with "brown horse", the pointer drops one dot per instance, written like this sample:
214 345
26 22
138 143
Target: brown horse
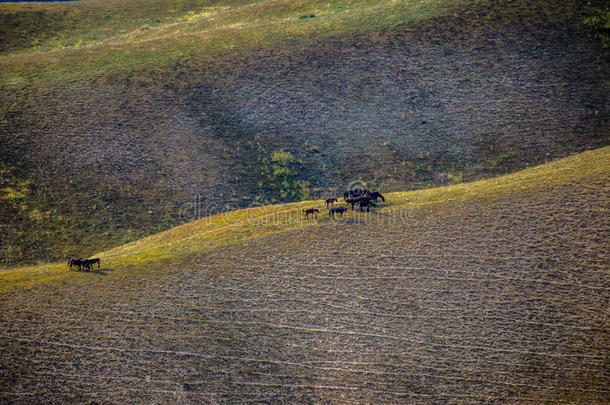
330 201
312 211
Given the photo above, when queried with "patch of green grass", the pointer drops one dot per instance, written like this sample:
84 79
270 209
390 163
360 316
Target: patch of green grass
242 225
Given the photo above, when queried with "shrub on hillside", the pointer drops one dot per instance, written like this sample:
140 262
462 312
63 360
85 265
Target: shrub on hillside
599 21
284 179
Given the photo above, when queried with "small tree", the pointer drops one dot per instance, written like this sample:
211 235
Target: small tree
284 178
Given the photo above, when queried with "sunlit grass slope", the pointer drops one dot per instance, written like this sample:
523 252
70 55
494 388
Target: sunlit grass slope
241 225
121 39
58 25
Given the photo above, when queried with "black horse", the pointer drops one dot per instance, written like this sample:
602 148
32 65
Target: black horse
375 195
337 210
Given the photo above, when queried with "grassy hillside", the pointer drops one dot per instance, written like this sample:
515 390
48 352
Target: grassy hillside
491 291
112 119
254 223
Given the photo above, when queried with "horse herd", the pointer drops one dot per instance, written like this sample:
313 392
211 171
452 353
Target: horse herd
362 198
86 263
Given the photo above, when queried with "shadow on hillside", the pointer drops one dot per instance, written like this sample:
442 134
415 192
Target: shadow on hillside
102 271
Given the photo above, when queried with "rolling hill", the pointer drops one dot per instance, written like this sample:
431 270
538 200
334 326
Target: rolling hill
488 291
115 115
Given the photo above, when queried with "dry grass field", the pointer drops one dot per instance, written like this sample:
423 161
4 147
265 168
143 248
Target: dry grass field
496 291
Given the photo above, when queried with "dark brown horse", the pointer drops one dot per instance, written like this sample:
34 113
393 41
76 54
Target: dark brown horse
353 201
375 195
364 203
355 193
312 211
330 201
358 200
93 261
86 263
337 210
76 262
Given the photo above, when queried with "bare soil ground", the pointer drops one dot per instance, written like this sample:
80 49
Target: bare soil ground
491 301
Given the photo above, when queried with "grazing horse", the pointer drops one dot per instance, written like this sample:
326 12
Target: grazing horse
375 195
312 211
337 210
353 201
331 201
89 263
93 261
76 262
366 204
84 263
